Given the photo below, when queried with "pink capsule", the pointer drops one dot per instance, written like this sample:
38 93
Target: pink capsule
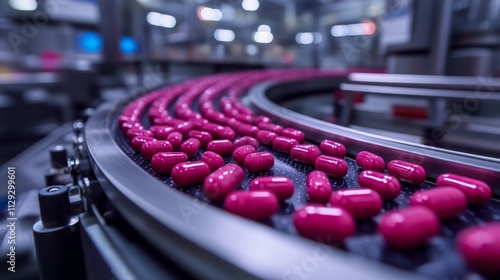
222 181
370 161
257 205
198 123
184 128
162 163
246 140
213 160
335 167
234 123
138 141
175 138
191 147
361 203
332 148
282 187
407 171
163 132
446 202
305 153
263 119
409 227
271 127
284 144
248 130
149 149
203 136
294 134
318 187
133 132
266 137
241 153
214 129
244 118
190 173
324 224
128 125
480 247
476 191
157 128
257 162
228 133
222 147
387 186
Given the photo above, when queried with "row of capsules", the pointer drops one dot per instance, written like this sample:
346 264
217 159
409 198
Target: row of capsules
171 142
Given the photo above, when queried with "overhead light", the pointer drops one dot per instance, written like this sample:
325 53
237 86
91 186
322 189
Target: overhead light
262 37
23 5
209 14
264 28
252 49
357 29
224 35
161 20
308 38
250 5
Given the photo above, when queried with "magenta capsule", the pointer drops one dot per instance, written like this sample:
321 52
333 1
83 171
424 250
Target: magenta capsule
476 191
140 140
270 127
294 134
162 163
318 187
133 132
214 129
213 160
446 202
257 205
228 133
370 161
163 132
149 149
257 162
332 148
409 227
266 137
335 167
248 130
175 138
191 147
361 203
480 247
234 123
407 171
244 118
190 173
128 125
157 128
263 119
282 187
324 224
222 181
241 153
203 136
222 147
246 140
387 186
305 153
284 144
184 128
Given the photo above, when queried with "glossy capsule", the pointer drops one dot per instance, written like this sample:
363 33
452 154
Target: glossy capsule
163 132
284 144
332 166
175 138
407 171
214 161
190 173
203 136
246 140
222 181
324 224
184 128
271 127
370 161
156 129
228 133
480 247
361 203
446 202
140 140
128 125
266 137
256 205
191 147
305 153
162 163
248 130
241 153
387 186
318 187
149 149
133 132
294 134
409 227
476 191
332 148
257 162
282 187
222 147
215 130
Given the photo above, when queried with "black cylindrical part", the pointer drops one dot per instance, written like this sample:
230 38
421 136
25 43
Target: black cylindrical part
55 208
58 157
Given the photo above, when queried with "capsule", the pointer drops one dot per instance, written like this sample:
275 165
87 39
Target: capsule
282 187
184 128
133 132
222 181
248 130
256 205
257 162
214 129
294 134
164 132
156 129
409 227
203 136
332 149
241 153
228 133
222 147
284 144
324 224
190 173
175 138
407 171
318 187
370 161
361 203
480 247
140 140
266 137
149 149
335 167
191 147
128 125
162 163
305 153
476 191
271 127
387 186
246 140
446 202
213 160
262 119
